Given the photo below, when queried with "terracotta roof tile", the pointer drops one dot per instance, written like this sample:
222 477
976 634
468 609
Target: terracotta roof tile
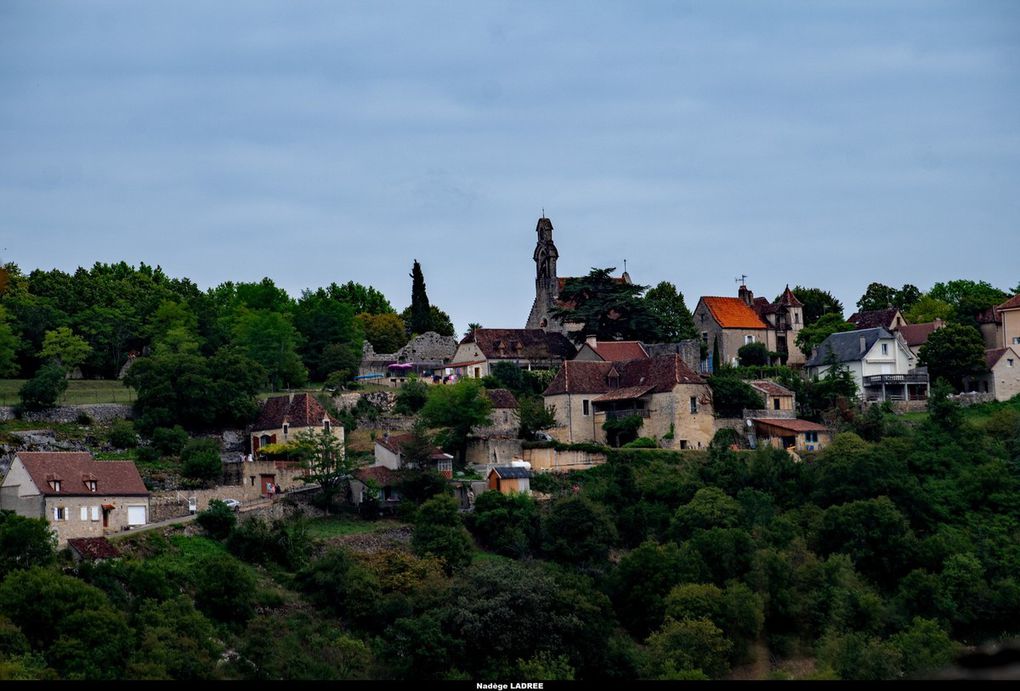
661 373
993 356
770 387
612 351
93 548
301 411
394 442
873 319
501 398
1012 304
732 313
793 425
522 344
380 474
917 334
72 468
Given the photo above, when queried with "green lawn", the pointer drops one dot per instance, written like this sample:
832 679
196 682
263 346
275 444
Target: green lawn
338 526
79 391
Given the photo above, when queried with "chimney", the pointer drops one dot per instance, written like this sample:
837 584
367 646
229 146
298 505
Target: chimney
864 343
746 295
591 341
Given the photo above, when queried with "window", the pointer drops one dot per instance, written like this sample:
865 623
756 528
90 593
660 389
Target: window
1009 362
91 485
59 513
252 478
263 440
885 349
811 437
95 513
325 425
584 407
796 317
748 340
683 443
286 428
84 513
478 372
704 336
55 485
694 404
775 404
1016 340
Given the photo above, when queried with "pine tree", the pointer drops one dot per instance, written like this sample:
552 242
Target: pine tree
421 313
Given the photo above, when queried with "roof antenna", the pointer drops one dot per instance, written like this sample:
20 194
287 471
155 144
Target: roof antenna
624 266
742 280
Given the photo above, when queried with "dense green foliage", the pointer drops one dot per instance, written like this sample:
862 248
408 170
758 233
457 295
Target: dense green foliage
608 309
954 352
676 322
811 336
817 302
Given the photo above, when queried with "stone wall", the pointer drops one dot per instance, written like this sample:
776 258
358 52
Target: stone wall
561 461
99 412
485 451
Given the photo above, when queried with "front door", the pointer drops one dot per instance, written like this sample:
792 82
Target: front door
268 483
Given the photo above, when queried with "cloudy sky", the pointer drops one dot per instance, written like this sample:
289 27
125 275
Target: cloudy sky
826 144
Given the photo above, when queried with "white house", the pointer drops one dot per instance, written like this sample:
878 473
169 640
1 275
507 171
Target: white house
881 364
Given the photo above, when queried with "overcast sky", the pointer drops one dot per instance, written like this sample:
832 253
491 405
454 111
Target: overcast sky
826 144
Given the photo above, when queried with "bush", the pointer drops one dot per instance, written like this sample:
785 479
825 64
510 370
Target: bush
122 435
285 542
147 454
218 520
169 441
200 461
42 391
642 443
753 355
439 531
84 419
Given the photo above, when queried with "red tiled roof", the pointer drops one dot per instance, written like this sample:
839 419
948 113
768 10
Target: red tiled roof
394 442
93 547
380 474
624 394
72 468
1012 304
789 299
793 425
501 398
770 387
917 334
522 344
660 373
990 316
612 351
732 313
873 319
301 411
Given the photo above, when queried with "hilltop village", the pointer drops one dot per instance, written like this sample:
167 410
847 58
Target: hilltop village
748 488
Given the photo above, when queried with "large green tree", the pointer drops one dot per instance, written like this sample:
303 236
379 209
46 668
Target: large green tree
386 332
65 348
810 337
456 409
8 346
327 462
607 308
421 316
879 296
676 322
326 327
270 339
363 299
953 352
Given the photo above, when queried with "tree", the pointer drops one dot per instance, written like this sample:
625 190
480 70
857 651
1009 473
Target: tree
507 375
716 357
709 508
817 302
386 332
928 309
271 340
8 346
732 395
362 299
200 461
42 391
533 416
421 316
873 533
416 450
341 584
880 297
954 352
606 308
439 531
676 322
327 328
577 531
471 328
641 581
24 542
810 337
925 647
217 520
439 322
508 524
327 463
753 355
224 588
688 646
411 396
175 642
456 409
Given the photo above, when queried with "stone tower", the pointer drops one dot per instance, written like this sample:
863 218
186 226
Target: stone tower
546 282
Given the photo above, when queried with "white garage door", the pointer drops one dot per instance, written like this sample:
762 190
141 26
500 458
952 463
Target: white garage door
136 515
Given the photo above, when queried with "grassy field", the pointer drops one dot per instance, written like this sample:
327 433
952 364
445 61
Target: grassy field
338 526
79 391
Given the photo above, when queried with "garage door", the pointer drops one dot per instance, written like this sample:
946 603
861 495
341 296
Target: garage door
136 515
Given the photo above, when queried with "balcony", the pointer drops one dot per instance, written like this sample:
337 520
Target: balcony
619 414
879 379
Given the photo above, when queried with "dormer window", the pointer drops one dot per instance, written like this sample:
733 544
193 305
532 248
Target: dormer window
91 485
55 485
286 428
325 425
885 349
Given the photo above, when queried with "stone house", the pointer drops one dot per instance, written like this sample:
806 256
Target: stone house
389 454
674 402
78 495
1002 378
1000 325
282 418
778 399
889 319
526 348
798 435
881 364
503 418
379 482
736 322
427 357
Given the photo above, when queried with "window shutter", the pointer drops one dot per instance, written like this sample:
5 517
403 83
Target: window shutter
84 513
55 514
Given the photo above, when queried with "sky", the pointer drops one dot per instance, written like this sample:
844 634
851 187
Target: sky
825 144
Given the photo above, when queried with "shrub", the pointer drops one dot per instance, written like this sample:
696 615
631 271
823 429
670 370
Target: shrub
642 443
218 520
84 419
200 461
42 391
147 454
122 435
169 441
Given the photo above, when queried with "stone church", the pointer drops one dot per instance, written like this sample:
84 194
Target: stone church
548 285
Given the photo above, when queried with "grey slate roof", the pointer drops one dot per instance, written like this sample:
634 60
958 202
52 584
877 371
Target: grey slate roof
511 473
846 346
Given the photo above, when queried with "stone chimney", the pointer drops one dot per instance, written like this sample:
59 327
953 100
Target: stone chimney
746 295
864 344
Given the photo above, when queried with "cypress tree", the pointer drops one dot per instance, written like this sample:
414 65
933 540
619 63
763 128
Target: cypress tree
421 313
715 355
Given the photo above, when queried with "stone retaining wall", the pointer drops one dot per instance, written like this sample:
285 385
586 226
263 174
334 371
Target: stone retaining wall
99 412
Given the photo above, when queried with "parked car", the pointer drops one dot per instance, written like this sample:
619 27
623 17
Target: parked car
232 503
